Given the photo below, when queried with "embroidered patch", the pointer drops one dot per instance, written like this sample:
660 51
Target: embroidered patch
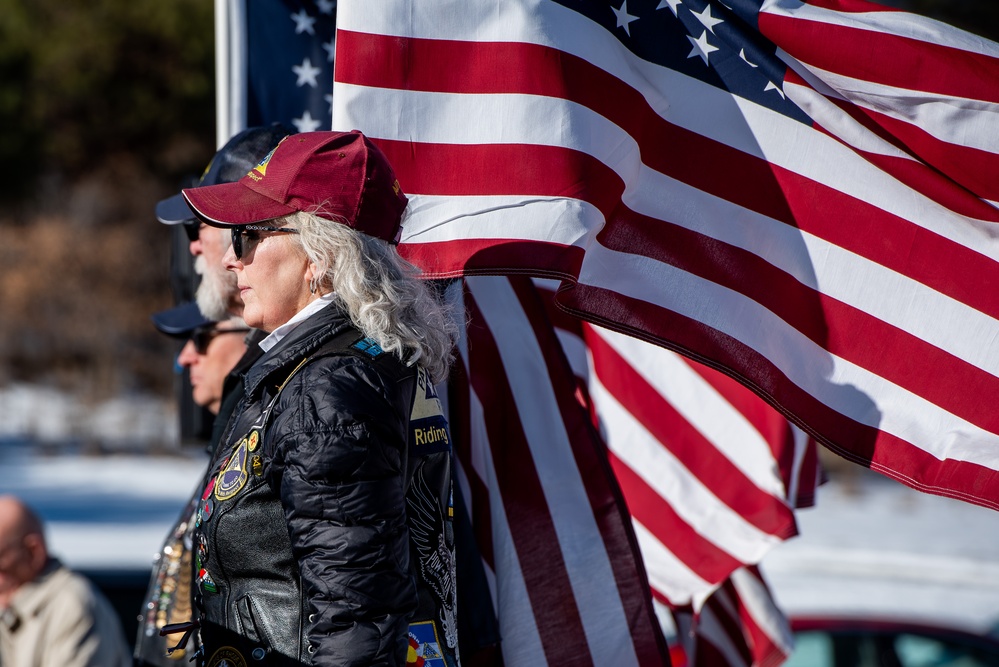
206 582
436 559
253 440
428 432
424 647
227 656
368 346
233 476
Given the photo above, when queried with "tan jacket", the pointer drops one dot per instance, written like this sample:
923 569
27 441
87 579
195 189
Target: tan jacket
61 620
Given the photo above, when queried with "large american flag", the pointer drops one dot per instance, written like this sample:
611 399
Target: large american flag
535 138
799 194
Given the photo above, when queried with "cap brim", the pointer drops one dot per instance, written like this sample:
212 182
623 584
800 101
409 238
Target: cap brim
180 321
230 204
174 211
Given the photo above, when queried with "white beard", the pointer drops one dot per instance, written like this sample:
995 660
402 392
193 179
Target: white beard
217 292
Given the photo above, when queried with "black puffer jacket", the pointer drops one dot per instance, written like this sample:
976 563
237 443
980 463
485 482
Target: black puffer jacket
302 542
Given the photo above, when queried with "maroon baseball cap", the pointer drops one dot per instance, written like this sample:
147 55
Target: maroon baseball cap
339 176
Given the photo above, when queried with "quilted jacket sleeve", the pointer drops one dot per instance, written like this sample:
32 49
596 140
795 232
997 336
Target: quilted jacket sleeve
338 468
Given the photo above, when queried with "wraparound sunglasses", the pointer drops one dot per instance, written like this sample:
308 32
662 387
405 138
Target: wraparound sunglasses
239 231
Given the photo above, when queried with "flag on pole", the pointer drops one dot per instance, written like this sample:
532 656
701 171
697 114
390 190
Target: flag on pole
801 194
274 64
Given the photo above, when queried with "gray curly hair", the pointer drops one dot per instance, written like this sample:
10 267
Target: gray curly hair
380 291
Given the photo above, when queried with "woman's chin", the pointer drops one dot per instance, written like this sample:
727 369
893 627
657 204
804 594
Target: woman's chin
253 318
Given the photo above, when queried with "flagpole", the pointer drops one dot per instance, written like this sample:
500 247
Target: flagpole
230 69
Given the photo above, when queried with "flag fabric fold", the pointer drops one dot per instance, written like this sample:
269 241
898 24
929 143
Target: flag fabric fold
799 194
565 575
710 473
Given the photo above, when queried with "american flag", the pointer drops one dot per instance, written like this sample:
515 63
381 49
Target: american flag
706 500
799 194
274 62
711 476
564 574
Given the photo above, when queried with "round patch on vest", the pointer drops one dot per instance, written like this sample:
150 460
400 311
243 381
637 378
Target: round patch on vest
227 656
233 476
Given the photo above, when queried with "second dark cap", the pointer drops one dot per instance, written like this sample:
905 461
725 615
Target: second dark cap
239 155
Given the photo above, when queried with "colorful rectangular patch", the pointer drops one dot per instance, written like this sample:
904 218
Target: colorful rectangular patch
424 648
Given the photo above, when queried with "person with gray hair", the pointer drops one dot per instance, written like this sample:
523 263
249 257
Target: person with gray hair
50 616
325 534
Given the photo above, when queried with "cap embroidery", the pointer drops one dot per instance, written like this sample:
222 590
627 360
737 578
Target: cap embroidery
261 167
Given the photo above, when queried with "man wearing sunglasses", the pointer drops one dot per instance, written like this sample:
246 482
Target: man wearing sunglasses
211 349
210 354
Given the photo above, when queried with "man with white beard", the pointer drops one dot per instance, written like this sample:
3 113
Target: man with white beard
217 295
218 300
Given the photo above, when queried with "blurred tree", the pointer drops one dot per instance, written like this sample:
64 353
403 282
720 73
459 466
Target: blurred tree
84 79
105 107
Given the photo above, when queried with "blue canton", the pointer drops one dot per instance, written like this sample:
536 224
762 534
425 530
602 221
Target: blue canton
717 43
290 63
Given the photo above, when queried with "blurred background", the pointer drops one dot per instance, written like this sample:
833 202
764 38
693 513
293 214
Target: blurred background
107 106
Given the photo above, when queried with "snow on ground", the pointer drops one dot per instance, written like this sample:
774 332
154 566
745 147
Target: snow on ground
45 415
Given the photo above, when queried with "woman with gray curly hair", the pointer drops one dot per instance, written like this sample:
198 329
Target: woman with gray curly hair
324 533
379 290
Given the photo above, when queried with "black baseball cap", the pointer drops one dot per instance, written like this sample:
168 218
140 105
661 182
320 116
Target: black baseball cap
180 321
239 155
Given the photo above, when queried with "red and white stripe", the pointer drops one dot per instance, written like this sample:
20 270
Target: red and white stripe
738 626
566 579
535 501
711 475
701 479
843 270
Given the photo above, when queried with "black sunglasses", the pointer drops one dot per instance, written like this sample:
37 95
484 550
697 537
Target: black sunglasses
247 230
193 229
203 336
